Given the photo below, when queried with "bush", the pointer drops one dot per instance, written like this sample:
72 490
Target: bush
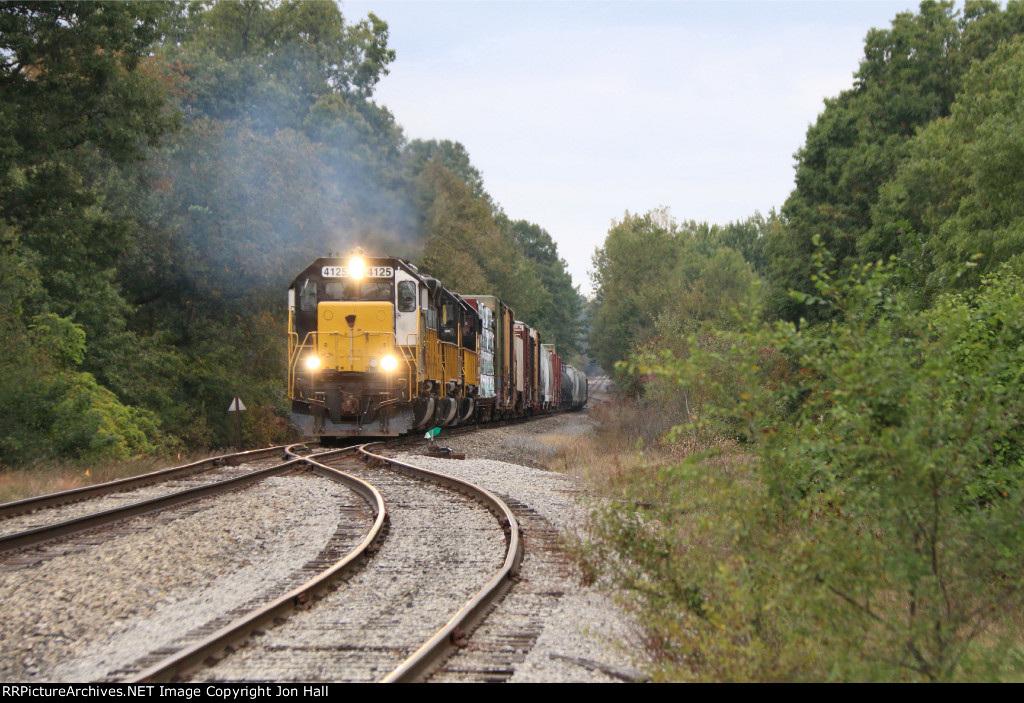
880 537
88 422
48 409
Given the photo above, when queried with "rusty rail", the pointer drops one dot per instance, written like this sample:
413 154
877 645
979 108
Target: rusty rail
50 500
420 663
239 630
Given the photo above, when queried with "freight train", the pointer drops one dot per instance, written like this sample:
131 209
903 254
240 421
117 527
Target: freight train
377 348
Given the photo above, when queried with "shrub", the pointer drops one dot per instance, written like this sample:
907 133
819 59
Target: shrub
880 537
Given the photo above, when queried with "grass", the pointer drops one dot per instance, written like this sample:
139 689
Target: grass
54 476
624 441
715 576
653 540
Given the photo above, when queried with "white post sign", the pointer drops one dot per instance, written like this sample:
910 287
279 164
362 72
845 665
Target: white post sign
237 407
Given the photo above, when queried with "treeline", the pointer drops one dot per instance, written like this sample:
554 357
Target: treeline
873 368
166 168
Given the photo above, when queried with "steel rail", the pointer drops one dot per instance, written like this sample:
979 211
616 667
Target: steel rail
239 630
417 665
37 535
72 495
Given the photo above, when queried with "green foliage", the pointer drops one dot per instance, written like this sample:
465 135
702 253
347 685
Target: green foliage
903 437
876 538
87 421
272 56
638 253
688 546
63 340
50 409
60 92
956 200
654 277
468 249
881 538
81 102
558 319
908 79
454 157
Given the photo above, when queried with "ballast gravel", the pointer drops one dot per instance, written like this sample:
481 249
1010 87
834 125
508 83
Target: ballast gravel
82 613
78 614
441 548
578 633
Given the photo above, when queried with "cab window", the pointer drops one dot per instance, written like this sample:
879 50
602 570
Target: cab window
406 296
469 333
448 331
307 296
337 290
376 290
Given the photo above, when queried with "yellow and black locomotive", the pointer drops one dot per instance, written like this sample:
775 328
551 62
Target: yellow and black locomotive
377 348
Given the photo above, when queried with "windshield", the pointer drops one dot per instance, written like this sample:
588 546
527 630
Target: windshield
365 290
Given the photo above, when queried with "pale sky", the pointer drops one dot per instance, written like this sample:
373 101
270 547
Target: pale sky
576 112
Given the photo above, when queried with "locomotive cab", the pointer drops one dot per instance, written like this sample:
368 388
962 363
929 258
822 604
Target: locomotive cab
353 334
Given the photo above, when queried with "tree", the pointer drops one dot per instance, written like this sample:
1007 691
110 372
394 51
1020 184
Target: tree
908 78
655 278
559 320
469 251
279 57
80 103
630 271
77 101
451 155
957 200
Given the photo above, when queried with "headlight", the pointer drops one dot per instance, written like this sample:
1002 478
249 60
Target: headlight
356 268
312 362
389 363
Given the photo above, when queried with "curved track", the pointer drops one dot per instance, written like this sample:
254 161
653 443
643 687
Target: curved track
431 581
323 573
412 660
86 607
469 615
51 500
90 520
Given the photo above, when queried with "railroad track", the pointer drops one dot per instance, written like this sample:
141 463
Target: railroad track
335 561
445 560
73 495
29 514
38 626
220 634
501 643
